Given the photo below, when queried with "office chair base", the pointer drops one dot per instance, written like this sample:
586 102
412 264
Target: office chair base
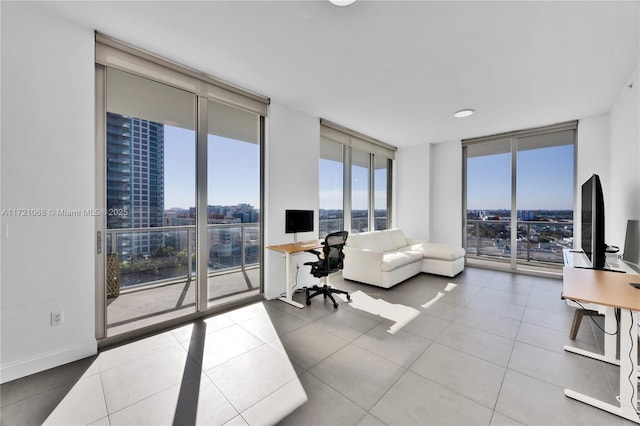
326 291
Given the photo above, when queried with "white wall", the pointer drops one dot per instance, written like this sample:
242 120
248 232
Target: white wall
293 152
47 163
592 157
412 183
446 193
609 145
622 201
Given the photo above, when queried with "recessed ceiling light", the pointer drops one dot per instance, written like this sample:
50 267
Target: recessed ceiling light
342 2
464 113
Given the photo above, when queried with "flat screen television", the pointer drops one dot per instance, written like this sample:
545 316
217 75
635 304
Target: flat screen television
592 216
298 221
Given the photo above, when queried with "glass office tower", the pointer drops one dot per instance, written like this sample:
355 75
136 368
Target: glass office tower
135 180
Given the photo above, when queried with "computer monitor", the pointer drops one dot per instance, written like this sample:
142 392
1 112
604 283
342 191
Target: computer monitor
631 253
593 243
298 221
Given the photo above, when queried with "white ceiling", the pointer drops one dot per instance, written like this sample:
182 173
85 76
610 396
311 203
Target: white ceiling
395 70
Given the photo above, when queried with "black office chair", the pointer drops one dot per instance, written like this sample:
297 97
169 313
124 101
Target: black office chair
330 262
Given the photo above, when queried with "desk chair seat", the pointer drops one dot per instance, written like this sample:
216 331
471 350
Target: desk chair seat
329 261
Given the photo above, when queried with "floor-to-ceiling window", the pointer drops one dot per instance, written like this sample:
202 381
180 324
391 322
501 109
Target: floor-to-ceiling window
355 181
233 201
360 194
150 181
488 196
381 190
181 188
331 187
519 196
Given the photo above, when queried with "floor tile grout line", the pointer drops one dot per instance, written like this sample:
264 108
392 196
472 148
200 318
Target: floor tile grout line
506 370
368 411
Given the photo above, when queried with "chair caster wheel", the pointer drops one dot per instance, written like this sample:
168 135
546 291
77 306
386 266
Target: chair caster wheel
308 302
335 306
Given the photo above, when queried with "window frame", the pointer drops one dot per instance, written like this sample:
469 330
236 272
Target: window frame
351 140
512 138
111 53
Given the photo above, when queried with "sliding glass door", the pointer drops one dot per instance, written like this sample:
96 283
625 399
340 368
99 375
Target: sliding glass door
545 182
150 196
519 196
233 201
488 191
182 191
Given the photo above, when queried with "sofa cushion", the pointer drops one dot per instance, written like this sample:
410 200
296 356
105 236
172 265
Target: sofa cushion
364 240
441 251
398 238
385 241
395 259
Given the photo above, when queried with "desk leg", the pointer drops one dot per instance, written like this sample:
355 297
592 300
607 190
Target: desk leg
610 340
288 297
628 373
629 365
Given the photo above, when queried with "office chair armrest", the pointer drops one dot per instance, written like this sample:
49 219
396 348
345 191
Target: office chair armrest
316 252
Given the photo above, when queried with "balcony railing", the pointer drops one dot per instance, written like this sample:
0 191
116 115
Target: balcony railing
358 224
157 255
538 241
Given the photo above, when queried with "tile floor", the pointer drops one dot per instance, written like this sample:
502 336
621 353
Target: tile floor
488 352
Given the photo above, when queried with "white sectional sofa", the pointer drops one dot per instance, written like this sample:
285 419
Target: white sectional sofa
385 258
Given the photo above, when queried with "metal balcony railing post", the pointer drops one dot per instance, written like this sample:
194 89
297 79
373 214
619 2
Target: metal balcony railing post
477 229
189 254
528 242
242 248
114 244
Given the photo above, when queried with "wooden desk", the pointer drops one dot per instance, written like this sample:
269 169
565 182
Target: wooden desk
577 259
288 250
611 289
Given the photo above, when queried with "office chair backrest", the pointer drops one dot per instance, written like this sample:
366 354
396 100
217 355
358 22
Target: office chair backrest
333 245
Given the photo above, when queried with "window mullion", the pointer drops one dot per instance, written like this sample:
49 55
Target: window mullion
347 188
372 172
514 205
202 249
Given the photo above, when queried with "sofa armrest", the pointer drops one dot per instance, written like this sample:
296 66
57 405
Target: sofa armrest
364 265
373 258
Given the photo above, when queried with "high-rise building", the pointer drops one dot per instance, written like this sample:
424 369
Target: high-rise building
135 180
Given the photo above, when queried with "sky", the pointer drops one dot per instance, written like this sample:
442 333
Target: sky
545 177
233 166
234 174
544 180
331 186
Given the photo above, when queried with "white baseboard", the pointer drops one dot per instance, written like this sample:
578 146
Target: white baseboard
25 367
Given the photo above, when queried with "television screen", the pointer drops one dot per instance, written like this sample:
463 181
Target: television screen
592 217
298 221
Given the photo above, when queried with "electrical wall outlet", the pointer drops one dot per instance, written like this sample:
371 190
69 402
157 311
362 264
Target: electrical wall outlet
57 317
